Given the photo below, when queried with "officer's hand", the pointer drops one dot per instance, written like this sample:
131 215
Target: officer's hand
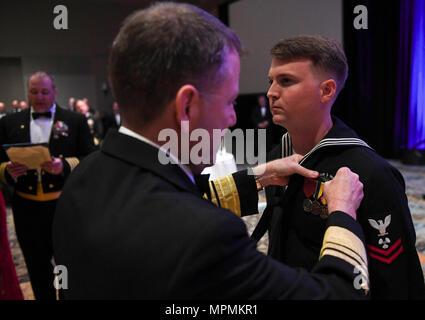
53 167
278 172
16 169
344 192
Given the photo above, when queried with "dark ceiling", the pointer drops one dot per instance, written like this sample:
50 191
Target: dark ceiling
205 4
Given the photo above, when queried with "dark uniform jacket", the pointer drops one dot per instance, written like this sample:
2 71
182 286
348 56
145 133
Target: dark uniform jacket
70 140
296 235
128 227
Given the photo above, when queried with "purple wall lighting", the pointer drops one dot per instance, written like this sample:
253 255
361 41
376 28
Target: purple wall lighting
416 127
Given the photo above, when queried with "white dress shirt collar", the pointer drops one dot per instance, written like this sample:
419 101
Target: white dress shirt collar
41 128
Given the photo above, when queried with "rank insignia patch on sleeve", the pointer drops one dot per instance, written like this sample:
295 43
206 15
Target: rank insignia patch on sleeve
387 256
385 253
381 226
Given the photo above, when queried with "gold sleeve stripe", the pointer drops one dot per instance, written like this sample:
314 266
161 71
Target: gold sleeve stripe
358 269
348 256
346 239
346 250
213 194
344 244
73 162
343 256
225 194
2 172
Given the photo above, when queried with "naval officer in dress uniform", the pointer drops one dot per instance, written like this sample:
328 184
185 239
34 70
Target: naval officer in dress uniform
150 234
36 191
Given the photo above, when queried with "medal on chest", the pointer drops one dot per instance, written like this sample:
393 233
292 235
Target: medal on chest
315 202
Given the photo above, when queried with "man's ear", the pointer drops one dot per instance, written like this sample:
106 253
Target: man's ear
327 90
188 104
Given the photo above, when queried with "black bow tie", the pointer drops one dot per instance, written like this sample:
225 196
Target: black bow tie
36 115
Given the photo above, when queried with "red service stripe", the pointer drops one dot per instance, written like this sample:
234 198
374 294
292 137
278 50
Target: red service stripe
387 251
309 187
387 260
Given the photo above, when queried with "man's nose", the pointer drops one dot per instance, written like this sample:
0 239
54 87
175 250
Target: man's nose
272 94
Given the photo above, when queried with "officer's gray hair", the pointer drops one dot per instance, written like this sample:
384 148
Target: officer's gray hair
42 74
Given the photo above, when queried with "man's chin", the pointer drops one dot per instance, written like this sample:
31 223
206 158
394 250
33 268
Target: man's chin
279 120
40 108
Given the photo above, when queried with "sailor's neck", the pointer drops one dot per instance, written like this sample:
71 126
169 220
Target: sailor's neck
305 139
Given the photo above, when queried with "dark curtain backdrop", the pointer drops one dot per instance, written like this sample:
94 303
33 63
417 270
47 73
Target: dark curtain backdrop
375 99
368 102
403 81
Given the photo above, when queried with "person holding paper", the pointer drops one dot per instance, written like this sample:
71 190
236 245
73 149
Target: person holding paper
37 189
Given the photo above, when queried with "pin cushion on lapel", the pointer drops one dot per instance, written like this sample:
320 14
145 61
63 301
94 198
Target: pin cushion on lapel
59 129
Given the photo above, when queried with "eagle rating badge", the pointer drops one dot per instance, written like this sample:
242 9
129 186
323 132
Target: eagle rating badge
385 253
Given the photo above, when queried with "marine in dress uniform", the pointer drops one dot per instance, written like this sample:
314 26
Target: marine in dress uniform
295 217
36 191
